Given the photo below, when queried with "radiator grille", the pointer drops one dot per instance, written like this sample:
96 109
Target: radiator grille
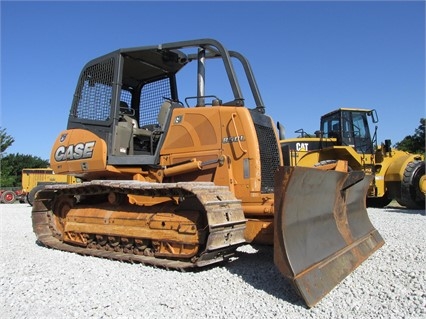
269 151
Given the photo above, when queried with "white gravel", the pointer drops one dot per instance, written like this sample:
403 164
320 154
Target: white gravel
36 282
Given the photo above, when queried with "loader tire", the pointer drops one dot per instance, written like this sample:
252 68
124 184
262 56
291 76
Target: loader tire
8 197
411 195
33 192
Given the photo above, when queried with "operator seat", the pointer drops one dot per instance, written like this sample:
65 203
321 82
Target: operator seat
128 115
335 131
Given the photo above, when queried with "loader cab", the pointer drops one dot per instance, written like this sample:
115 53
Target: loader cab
350 127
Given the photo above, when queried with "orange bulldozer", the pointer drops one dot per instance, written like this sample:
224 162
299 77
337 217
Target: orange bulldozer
183 183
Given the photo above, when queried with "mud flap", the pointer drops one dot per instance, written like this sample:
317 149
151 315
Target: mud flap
322 231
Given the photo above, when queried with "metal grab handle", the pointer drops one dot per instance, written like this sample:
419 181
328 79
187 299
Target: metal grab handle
233 116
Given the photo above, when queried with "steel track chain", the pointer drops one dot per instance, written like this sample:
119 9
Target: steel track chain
224 214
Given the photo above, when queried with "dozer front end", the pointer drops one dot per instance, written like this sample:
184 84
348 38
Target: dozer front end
320 236
183 185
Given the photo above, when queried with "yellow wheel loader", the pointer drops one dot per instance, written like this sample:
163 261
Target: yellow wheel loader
181 184
345 135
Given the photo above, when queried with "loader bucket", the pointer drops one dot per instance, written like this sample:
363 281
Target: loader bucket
321 228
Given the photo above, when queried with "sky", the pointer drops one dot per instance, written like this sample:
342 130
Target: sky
308 57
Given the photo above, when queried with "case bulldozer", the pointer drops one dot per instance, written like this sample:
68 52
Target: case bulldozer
345 135
181 184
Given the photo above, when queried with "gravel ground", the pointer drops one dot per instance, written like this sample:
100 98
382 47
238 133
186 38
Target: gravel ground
36 282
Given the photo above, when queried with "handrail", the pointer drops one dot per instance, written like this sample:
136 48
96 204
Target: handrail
236 132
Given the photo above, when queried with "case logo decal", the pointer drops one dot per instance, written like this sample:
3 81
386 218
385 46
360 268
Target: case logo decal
74 152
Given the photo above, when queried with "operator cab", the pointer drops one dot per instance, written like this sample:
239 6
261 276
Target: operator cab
350 128
126 98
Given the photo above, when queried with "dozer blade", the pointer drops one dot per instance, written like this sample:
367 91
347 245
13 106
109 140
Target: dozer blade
322 231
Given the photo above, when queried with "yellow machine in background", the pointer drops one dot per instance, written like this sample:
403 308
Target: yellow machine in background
345 135
35 179
183 184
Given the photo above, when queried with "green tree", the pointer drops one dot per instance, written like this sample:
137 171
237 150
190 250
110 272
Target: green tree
5 140
12 165
414 143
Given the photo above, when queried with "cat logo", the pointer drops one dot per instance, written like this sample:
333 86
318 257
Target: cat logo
302 147
74 152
